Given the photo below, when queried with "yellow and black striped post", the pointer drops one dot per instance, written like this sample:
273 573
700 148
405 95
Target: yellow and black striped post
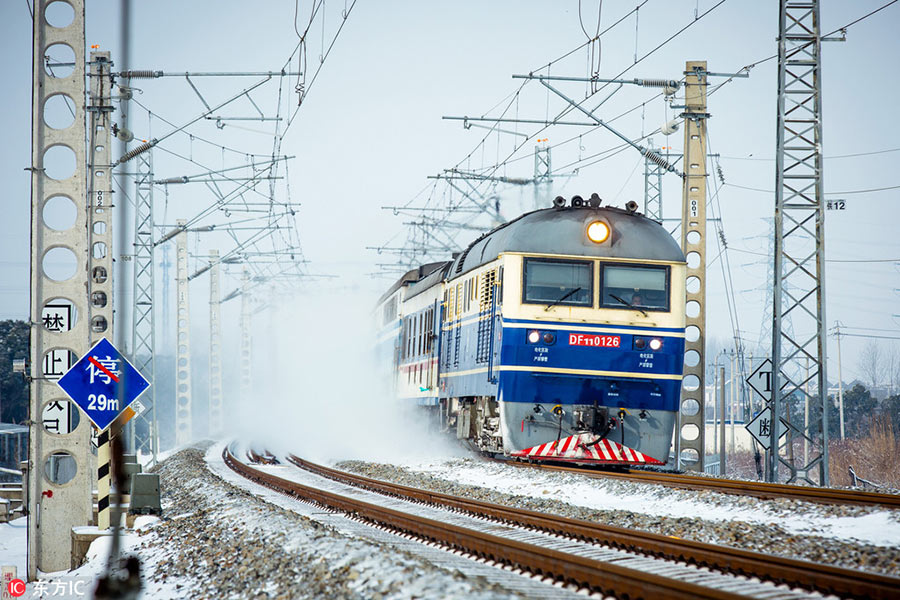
103 479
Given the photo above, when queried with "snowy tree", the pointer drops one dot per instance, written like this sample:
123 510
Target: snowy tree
871 364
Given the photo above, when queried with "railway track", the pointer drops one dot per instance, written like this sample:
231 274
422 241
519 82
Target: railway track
757 489
593 557
808 575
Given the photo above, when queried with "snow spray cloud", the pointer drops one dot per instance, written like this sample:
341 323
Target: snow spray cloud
318 392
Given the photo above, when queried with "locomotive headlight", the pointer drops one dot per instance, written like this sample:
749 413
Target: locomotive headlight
534 337
655 344
598 232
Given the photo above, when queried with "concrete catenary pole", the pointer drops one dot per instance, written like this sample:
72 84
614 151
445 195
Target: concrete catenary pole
215 347
691 432
183 422
100 227
732 390
722 421
246 340
837 328
58 470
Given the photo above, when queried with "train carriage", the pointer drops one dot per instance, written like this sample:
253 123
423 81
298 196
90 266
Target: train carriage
556 336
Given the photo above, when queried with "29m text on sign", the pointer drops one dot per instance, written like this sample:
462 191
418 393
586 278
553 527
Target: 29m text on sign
103 383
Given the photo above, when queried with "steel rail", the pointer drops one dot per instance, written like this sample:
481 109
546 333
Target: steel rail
808 575
607 578
758 489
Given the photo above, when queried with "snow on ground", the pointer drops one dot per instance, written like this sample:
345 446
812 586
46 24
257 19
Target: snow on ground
217 541
79 583
857 524
13 540
500 583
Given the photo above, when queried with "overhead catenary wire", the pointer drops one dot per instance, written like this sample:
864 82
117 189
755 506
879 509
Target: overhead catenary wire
759 62
306 88
495 167
482 187
582 162
568 109
831 260
725 265
841 193
826 157
547 66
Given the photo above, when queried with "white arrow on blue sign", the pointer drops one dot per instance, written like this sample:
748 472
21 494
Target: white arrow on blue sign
95 381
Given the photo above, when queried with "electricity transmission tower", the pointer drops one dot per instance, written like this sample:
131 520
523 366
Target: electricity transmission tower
765 329
653 173
143 429
543 175
799 282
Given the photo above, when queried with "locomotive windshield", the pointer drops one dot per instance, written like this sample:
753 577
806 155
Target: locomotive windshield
558 282
640 287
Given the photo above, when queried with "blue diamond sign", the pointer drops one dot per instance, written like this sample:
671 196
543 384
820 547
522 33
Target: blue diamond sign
95 382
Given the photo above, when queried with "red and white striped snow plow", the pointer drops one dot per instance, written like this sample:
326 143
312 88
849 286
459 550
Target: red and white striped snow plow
588 448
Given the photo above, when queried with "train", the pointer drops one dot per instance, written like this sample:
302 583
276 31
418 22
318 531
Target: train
557 336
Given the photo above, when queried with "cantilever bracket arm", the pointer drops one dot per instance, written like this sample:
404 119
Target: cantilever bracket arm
662 162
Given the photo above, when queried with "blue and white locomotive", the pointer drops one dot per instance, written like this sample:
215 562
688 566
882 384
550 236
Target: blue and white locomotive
556 336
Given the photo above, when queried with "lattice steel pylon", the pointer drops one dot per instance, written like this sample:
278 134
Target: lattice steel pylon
543 175
144 432
799 286
765 327
653 173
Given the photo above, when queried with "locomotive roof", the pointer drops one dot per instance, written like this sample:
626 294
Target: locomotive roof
414 275
563 231
552 231
426 282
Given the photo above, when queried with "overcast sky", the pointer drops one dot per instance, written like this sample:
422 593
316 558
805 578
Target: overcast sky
370 130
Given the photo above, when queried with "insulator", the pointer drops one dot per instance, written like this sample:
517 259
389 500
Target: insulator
721 174
663 83
722 237
132 153
182 179
145 74
670 86
653 156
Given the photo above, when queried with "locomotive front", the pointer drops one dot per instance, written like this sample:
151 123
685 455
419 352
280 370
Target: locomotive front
591 348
